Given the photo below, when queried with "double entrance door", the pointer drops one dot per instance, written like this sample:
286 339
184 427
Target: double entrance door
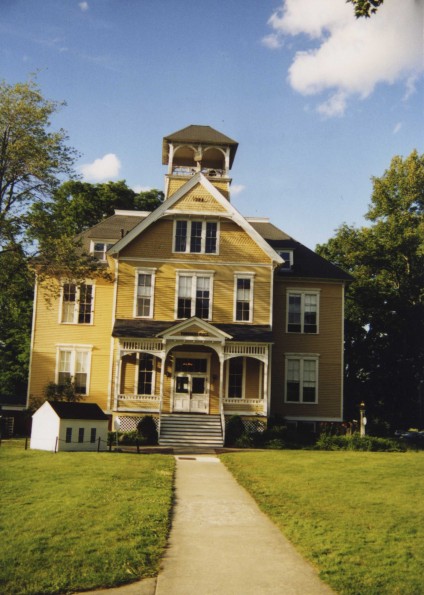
191 384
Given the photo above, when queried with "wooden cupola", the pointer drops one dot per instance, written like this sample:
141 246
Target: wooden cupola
198 149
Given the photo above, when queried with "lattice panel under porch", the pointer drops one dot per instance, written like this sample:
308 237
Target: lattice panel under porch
130 423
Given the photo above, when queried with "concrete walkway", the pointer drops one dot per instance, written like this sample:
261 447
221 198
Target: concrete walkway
222 544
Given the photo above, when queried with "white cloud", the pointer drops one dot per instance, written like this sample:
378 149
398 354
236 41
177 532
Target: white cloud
350 56
397 127
237 188
272 41
83 6
103 169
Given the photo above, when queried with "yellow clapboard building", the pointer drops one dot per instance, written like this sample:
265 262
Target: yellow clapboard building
208 314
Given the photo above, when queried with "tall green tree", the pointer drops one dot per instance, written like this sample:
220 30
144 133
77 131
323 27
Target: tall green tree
76 206
32 157
385 303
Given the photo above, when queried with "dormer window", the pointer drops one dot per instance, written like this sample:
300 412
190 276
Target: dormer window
287 256
196 236
99 249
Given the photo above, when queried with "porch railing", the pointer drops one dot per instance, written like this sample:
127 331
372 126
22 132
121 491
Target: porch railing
139 402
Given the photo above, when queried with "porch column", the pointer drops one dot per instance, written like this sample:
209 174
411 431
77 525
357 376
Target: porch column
162 378
266 387
117 379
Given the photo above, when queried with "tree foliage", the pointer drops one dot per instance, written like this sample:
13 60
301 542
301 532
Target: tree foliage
76 206
365 8
385 303
40 216
32 158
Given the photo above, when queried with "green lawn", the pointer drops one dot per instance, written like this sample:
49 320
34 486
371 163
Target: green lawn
359 517
75 521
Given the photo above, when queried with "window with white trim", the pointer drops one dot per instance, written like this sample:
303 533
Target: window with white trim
287 256
194 292
196 236
243 297
73 364
302 311
99 249
145 283
145 374
301 379
77 303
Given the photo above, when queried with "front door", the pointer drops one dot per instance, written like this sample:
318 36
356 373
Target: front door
191 386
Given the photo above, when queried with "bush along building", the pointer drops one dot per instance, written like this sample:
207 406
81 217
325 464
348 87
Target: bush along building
208 314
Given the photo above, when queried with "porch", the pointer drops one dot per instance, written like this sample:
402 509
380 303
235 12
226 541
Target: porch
192 368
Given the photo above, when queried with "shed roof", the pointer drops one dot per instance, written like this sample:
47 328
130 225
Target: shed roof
67 410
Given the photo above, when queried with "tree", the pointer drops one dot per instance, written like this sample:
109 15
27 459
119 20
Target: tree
32 158
365 8
385 303
76 206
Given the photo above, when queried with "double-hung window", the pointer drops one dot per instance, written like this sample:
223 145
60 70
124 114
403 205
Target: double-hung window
145 284
77 303
194 292
145 374
302 311
73 364
301 379
196 236
243 297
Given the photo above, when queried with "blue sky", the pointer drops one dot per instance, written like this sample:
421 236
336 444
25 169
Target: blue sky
318 101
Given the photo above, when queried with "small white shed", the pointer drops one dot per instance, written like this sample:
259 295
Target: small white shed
59 425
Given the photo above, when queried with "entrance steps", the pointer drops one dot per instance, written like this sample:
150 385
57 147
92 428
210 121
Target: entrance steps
190 429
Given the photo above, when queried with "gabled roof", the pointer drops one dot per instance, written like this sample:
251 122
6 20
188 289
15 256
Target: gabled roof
201 326
232 213
204 135
66 410
146 329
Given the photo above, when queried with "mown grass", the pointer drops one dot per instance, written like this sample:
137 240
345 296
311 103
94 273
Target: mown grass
78 521
358 517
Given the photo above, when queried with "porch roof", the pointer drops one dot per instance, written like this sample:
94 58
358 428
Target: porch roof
145 329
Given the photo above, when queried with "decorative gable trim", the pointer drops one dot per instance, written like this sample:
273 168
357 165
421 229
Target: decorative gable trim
165 209
206 331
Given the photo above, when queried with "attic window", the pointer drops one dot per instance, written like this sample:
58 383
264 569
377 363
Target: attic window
287 256
99 249
196 237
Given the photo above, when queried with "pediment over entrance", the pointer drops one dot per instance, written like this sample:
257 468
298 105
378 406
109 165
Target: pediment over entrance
195 329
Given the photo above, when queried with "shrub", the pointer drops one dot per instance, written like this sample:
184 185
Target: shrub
147 430
62 392
234 430
244 441
357 442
